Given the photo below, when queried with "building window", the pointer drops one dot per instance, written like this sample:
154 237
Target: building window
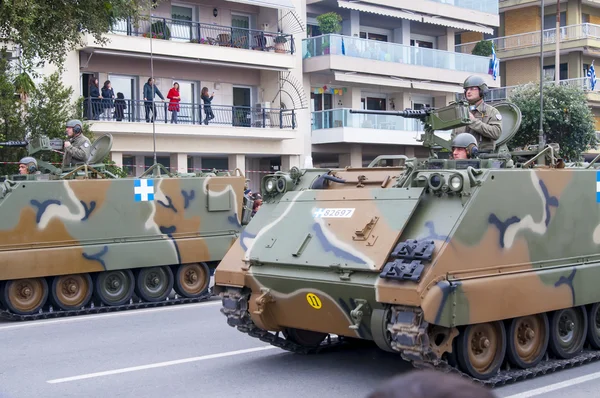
549 71
550 20
373 36
313 30
129 165
585 18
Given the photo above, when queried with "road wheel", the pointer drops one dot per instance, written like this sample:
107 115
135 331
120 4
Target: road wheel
568 330
192 280
593 333
25 296
481 349
114 288
71 292
305 338
154 284
527 340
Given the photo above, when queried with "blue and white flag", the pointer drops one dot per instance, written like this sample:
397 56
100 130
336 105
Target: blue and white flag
143 190
592 75
495 63
598 186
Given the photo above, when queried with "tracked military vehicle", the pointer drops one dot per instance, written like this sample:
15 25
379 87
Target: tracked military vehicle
487 267
80 240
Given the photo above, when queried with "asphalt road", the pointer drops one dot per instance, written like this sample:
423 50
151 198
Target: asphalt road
190 351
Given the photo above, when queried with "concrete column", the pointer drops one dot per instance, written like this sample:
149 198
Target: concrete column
139 165
117 157
575 64
405 32
574 10
352 159
179 162
289 161
409 151
354 23
196 164
446 42
356 97
237 162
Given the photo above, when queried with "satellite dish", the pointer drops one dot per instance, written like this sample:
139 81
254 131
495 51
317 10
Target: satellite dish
511 121
100 149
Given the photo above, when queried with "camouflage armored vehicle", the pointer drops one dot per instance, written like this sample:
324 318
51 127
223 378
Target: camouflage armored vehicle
78 240
486 266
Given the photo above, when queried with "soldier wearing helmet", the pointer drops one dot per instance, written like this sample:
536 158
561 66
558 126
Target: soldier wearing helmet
77 147
485 119
464 146
28 165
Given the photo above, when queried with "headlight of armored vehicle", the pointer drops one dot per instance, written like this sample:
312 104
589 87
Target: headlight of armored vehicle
284 183
270 185
456 182
436 181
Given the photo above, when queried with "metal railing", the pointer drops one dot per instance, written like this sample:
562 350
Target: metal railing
341 117
208 34
532 39
332 44
225 115
489 6
503 93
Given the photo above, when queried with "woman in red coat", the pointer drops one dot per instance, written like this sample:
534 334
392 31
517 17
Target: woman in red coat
174 97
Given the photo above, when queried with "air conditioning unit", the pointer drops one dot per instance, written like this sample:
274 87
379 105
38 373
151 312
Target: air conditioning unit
258 115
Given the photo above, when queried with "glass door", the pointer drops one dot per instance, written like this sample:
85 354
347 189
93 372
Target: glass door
242 115
187 108
182 27
124 85
240 33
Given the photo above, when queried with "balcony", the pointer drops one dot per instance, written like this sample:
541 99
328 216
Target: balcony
198 42
339 125
486 6
572 36
133 117
503 93
392 60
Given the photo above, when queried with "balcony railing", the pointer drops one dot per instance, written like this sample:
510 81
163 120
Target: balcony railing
224 115
392 52
532 39
208 34
503 93
489 6
341 117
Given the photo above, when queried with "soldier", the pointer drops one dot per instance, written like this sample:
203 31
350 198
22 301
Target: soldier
485 125
464 146
77 147
27 165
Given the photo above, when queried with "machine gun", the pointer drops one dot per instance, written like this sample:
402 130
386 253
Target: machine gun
36 145
449 117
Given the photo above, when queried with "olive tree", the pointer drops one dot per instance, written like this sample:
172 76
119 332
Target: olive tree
568 120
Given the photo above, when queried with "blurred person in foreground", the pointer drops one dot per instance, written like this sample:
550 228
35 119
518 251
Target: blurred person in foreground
430 384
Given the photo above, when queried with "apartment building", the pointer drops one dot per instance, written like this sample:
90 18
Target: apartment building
518 44
246 52
389 55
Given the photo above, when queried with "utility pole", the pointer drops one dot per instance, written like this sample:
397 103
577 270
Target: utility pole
541 131
557 41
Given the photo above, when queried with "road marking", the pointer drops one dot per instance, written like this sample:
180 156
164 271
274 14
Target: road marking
79 318
159 364
556 386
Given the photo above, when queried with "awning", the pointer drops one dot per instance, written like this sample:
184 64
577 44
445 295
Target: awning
379 10
457 25
268 3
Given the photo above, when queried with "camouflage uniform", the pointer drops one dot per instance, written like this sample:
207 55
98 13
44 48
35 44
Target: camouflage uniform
487 127
78 152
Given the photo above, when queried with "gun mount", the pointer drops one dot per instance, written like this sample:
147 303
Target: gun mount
449 117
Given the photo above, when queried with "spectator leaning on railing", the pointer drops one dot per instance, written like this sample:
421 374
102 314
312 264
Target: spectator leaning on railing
150 90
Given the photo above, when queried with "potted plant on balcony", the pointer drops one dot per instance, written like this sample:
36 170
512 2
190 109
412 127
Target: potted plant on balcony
159 30
483 47
280 41
328 23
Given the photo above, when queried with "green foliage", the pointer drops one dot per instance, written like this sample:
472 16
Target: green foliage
48 30
568 120
12 127
329 23
483 47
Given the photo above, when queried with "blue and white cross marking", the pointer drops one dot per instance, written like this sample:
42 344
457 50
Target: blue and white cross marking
598 187
143 189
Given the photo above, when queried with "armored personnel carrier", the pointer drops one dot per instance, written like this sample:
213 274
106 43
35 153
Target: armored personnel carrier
487 266
80 240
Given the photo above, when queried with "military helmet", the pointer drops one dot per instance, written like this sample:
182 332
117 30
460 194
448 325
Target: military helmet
476 81
27 160
467 141
76 124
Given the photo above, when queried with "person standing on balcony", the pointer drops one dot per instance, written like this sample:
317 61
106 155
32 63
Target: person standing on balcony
486 124
150 91
207 108
174 98
108 95
95 97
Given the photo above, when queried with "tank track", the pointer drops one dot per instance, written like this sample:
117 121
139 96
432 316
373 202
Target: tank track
91 309
235 308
